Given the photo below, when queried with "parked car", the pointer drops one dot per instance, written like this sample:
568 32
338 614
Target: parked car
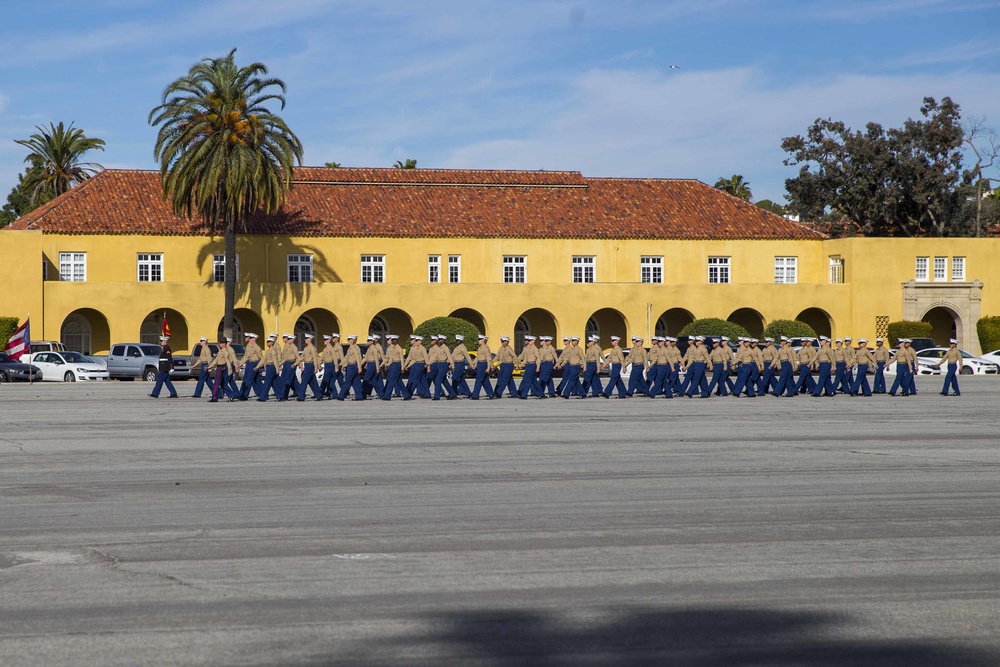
47 346
68 367
971 364
924 366
16 371
127 361
992 357
184 370
919 344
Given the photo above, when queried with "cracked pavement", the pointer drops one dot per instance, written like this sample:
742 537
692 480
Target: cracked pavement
686 532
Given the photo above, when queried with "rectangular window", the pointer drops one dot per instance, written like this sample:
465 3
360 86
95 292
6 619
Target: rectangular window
836 269
433 268
921 273
219 268
651 270
454 268
958 269
940 268
583 269
150 267
718 270
785 270
515 269
300 268
73 266
45 268
373 268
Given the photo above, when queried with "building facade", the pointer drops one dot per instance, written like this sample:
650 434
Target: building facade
381 250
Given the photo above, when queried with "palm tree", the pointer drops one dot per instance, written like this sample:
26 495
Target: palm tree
223 154
736 186
332 165
55 159
409 164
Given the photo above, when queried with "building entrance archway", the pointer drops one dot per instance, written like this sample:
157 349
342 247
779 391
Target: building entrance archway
672 321
818 319
749 319
945 324
86 331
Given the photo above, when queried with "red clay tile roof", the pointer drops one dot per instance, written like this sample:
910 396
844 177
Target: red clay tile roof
434 203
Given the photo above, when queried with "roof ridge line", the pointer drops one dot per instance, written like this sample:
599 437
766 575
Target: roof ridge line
60 200
445 185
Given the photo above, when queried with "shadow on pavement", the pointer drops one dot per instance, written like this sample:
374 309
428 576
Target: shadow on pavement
712 638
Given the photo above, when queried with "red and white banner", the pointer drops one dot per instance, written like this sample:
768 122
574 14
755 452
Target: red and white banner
19 343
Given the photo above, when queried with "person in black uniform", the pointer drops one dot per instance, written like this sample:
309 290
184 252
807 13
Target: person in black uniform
165 363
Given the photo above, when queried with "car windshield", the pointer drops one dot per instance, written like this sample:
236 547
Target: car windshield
150 350
967 355
75 358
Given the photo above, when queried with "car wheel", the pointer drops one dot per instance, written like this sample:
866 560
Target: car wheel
149 375
3 377
69 377
966 371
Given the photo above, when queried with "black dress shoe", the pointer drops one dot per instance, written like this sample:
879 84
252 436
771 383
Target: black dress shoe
213 400
151 396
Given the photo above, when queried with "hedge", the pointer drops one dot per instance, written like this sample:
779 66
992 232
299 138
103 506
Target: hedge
8 325
449 326
712 326
791 328
908 329
988 329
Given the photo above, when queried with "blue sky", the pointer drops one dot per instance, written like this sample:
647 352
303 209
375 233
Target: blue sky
526 84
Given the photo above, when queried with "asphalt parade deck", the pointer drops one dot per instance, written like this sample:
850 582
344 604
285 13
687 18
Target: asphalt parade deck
843 531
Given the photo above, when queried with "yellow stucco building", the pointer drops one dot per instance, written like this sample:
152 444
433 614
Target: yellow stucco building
376 250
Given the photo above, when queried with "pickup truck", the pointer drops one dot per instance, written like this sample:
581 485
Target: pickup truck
127 361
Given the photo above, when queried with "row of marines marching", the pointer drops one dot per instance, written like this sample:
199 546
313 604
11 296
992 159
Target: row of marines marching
779 370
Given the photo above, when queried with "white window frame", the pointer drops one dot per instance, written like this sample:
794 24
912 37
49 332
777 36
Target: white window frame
940 269
219 267
786 270
584 269
922 269
958 269
719 270
150 264
73 267
515 269
454 268
302 264
651 269
434 268
373 268
836 270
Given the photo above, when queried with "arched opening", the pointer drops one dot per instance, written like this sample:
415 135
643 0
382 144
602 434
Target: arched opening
607 322
390 320
749 319
244 320
86 331
317 321
152 327
471 316
945 323
537 322
672 321
818 319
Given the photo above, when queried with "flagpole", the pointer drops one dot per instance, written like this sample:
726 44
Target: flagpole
31 374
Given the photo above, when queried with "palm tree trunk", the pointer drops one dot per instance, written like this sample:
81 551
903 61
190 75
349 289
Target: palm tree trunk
230 305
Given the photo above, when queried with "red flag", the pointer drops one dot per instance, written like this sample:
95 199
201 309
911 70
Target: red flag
19 343
165 331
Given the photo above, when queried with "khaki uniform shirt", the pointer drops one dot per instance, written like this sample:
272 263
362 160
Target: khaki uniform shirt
484 353
309 355
394 354
289 352
461 353
616 356
326 356
223 359
805 356
952 356
353 355
722 356
574 356
825 355
505 355
758 357
769 353
881 354
547 354
417 355
637 355
252 353
786 354
593 353
529 355
698 355
271 357
863 355
371 354
673 355
205 356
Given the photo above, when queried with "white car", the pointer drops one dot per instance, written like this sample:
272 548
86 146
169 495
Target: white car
992 357
68 367
924 366
971 364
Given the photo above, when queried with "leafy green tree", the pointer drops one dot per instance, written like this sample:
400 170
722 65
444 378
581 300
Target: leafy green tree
771 206
223 153
332 165
448 326
55 160
736 186
791 328
908 329
409 164
19 200
904 181
988 329
8 325
712 326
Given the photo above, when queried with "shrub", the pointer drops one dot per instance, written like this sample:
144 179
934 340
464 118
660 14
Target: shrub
908 329
8 325
988 329
713 326
791 328
449 326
